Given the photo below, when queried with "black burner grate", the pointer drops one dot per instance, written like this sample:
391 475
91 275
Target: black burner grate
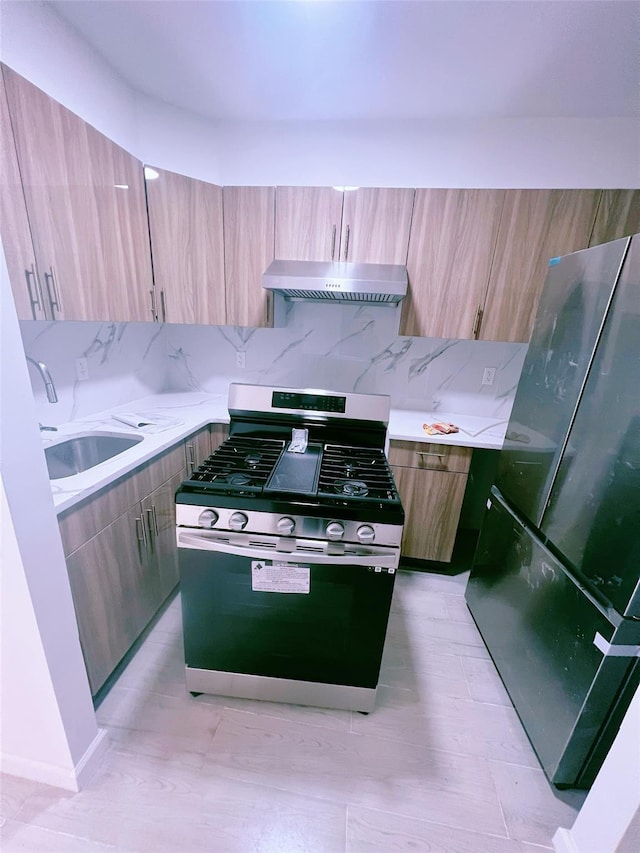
239 464
356 473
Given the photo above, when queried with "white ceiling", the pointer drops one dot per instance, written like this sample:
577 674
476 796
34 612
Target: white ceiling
373 59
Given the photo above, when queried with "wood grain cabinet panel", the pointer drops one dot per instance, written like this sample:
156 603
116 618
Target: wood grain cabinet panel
197 447
86 209
249 234
618 216
185 223
107 578
159 511
308 222
535 225
14 225
451 246
375 225
432 502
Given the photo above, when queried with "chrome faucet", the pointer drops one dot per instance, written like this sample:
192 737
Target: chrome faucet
49 387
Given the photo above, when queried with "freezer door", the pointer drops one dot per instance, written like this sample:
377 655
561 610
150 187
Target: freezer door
593 514
572 308
540 627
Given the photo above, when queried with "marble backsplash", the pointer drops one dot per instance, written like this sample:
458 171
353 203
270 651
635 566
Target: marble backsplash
323 345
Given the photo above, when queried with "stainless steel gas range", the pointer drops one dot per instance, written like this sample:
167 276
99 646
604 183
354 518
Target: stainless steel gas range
288 542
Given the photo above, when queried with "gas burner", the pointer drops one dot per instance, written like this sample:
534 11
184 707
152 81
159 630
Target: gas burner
350 469
252 459
239 479
351 488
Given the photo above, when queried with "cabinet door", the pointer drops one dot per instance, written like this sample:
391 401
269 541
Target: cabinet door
248 250
197 447
185 222
308 223
376 225
159 510
451 246
123 231
432 503
426 455
536 225
108 583
618 216
86 209
14 225
219 432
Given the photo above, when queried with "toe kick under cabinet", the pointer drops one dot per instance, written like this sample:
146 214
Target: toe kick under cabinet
431 480
121 558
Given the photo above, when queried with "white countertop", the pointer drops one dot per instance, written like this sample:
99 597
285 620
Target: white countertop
182 414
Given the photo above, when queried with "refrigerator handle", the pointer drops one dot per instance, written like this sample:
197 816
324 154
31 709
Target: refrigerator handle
610 650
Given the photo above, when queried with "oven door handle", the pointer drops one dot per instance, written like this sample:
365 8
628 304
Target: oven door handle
387 559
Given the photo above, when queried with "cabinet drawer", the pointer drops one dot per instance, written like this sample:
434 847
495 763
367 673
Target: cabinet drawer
86 519
430 457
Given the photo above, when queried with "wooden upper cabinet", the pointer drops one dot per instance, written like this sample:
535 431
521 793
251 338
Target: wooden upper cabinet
308 221
14 226
536 225
376 225
185 223
249 233
453 238
123 229
85 204
618 216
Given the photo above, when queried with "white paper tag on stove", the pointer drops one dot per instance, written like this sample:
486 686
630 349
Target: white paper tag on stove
280 577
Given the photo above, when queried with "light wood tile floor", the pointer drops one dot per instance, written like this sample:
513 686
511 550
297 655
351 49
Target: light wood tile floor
442 764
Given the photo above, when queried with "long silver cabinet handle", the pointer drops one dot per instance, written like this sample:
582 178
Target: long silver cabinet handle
141 532
346 243
191 461
477 321
36 301
154 516
225 545
425 453
54 297
151 527
154 313
333 242
163 305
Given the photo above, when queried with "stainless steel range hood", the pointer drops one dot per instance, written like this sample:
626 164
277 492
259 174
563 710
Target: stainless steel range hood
346 282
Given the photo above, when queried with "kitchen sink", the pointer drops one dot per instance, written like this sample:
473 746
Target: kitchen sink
80 452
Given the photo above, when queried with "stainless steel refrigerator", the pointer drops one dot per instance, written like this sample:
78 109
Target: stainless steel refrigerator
554 587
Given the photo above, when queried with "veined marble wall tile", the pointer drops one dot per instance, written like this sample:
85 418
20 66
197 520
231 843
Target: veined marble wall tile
348 348
125 361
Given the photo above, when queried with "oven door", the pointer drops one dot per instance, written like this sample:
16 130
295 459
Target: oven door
304 615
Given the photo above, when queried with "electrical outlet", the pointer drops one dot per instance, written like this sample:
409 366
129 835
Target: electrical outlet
488 376
82 369
241 359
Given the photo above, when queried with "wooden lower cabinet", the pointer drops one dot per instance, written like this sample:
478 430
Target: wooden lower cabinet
122 560
110 595
431 480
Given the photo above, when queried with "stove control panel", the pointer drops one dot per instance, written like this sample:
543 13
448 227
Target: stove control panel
320 529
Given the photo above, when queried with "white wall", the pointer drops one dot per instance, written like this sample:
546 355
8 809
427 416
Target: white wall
560 152
465 153
45 49
49 730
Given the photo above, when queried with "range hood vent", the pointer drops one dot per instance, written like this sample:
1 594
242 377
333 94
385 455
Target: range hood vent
345 282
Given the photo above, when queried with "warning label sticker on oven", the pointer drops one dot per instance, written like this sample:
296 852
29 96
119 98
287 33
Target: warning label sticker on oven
280 577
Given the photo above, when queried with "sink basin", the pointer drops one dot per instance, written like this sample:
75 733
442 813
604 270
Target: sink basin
81 452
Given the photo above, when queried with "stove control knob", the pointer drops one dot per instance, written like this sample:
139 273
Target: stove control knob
334 530
238 521
207 518
285 525
366 534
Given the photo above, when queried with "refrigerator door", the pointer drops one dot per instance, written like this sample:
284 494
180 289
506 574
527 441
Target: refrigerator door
572 308
593 514
540 627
